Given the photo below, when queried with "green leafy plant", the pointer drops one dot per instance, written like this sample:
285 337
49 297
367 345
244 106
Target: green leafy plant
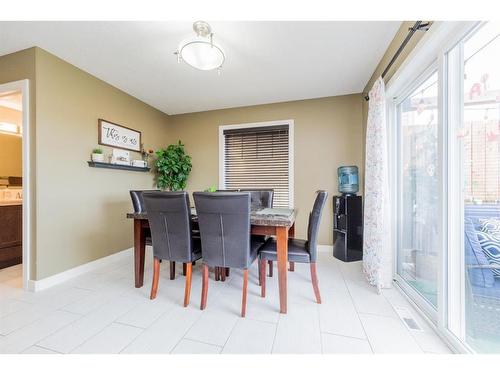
211 189
173 166
97 151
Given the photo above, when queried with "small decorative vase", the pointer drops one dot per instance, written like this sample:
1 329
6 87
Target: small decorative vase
98 158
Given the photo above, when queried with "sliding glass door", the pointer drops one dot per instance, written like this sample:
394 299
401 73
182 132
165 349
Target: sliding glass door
418 187
446 178
474 143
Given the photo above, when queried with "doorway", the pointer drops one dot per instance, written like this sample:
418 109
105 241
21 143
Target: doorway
14 185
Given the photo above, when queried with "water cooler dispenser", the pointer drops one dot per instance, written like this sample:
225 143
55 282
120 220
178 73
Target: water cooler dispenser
348 217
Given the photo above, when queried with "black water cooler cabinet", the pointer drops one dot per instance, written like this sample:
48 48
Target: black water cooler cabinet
348 227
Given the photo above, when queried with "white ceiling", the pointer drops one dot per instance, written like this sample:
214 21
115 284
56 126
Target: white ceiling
266 62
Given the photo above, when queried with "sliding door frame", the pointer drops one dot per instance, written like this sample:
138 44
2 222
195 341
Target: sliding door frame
431 53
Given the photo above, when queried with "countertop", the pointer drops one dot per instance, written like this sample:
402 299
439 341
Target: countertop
11 203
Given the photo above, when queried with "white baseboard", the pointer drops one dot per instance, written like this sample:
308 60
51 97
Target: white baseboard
37 285
325 249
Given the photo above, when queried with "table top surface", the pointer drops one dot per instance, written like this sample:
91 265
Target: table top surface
283 219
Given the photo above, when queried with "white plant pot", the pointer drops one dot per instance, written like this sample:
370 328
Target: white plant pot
98 158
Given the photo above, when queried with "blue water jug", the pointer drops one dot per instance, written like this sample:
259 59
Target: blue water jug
348 179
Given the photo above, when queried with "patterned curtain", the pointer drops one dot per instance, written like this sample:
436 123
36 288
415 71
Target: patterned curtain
377 252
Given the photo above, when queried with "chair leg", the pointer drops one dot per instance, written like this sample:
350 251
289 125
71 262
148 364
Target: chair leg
216 273
259 264
314 279
156 277
244 297
172 270
292 266
222 271
270 262
187 288
262 277
184 269
227 271
204 287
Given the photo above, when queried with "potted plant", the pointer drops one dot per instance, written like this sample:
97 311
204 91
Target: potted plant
173 166
97 155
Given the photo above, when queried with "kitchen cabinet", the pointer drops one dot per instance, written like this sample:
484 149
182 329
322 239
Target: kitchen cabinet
11 234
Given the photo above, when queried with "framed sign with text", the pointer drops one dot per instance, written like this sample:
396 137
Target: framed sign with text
118 136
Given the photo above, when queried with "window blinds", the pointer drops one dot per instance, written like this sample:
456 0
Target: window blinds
258 158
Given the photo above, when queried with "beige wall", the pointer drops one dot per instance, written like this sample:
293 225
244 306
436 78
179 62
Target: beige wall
81 210
11 150
328 133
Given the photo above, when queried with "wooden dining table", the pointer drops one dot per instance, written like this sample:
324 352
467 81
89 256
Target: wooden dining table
282 226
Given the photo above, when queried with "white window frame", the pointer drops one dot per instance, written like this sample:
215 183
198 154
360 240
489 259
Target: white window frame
433 48
222 151
396 102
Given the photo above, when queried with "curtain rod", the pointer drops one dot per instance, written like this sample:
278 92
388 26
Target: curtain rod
419 25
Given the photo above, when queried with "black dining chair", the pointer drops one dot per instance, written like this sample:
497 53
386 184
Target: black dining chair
260 198
169 216
299 251
224 220
138 205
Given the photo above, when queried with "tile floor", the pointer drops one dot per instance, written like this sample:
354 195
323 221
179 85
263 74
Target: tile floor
101 312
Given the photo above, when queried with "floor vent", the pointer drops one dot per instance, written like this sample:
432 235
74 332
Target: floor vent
406 316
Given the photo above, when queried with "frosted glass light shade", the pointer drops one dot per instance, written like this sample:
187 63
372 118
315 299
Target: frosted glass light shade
6 127
201 54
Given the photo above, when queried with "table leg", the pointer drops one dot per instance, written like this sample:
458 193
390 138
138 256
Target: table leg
139 252
282 247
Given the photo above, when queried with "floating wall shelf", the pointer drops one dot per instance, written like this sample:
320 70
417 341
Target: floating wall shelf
95 164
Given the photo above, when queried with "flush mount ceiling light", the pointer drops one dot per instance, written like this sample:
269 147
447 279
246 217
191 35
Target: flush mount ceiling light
201 52
8 128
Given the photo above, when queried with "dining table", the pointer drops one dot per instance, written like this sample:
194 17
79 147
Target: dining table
279 223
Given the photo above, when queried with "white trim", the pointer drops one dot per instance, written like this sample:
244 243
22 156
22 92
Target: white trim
37 285
290 123
325 249
446 336
437 42
441 37
401 97
23 86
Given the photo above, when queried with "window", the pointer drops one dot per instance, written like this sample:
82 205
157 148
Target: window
418 247
476 167
258 156
444 115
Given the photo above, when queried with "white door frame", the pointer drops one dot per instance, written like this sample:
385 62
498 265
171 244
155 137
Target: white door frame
433 47
222 151
23 86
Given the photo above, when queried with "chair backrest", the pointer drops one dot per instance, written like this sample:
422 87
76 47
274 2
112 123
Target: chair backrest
314 222
260 198
170 222
224 220
137 201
